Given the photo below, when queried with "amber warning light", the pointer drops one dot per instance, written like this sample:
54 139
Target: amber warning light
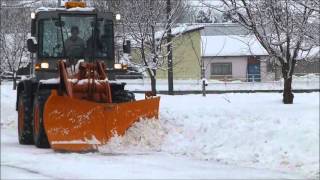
73 4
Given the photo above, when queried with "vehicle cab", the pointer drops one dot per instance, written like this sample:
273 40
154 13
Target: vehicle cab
71 33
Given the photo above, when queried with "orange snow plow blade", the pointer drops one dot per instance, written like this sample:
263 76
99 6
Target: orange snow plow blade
79 125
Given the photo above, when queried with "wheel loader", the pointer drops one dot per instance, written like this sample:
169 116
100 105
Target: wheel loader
71 103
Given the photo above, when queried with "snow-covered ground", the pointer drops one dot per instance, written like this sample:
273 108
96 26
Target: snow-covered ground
310 81
244 136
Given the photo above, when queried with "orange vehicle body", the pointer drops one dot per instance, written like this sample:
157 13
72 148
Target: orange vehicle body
81 116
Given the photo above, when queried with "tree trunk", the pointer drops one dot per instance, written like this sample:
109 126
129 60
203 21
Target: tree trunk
153 85
169 49
153 72
204 88
203 81
287 73
287 91
14 81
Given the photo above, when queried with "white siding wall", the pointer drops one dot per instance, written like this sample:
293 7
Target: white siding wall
239 65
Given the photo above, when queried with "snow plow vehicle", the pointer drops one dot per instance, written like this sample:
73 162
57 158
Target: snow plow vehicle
71 104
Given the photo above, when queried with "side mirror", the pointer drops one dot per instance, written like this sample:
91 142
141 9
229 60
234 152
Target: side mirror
127 47
32 47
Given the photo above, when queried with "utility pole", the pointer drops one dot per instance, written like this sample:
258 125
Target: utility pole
59 3
203 79
169 49
1 32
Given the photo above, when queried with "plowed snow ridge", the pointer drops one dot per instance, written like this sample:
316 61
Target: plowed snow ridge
265 134
254 130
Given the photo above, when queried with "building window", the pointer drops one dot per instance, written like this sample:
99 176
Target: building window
221 69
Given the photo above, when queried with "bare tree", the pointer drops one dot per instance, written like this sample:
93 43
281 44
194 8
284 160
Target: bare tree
282 27
144 22
106 5
13 36
200 62
311 4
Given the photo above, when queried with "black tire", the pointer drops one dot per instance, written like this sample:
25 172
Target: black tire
39 135
25 132
121 96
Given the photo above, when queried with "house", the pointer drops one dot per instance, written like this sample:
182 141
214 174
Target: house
220 29
186 53
234 57
311 64
227 52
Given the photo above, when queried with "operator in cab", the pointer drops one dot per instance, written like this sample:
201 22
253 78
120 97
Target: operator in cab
74 45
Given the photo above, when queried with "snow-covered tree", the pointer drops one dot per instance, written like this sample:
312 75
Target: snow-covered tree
226 17
148 28
201 64
106 6
13 37
145 24
204 17
287 29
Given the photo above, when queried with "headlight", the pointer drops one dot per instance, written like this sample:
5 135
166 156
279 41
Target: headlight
125 66
33 15
44 65
37 66
118 17
118 66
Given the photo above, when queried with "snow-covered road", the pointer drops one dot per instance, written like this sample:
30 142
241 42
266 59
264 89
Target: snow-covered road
226 136
28 162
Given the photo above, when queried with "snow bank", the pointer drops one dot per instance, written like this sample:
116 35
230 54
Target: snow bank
254 130
299 82
145 136
8 102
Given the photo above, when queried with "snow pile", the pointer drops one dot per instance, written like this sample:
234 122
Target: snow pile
299 83
144 136
307 77
252 141
8 105
253 130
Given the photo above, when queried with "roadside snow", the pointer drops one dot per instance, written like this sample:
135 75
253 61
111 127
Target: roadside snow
23 162
245 136
310 81
253 130
8 105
